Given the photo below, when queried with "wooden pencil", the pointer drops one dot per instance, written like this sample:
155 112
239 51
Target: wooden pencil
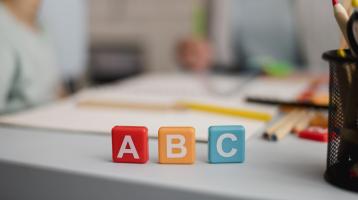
270 130
347 4
285 129
303 123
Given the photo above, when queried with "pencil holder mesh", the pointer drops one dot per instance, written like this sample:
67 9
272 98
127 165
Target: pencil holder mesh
342 154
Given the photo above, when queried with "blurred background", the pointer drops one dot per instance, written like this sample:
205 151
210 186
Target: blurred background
113 39
97 42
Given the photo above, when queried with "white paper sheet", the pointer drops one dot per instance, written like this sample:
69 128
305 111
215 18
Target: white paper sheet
165 89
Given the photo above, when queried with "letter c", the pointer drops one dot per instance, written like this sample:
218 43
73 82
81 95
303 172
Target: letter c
219 146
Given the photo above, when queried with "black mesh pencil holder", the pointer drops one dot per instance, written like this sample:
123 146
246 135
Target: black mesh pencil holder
342 156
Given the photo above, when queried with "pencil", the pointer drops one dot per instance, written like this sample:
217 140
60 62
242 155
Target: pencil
297 104
236 112
341 16
178 106
343 43
303 122
270 130
285 129
347 4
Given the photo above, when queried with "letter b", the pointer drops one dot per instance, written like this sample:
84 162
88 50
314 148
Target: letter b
176 145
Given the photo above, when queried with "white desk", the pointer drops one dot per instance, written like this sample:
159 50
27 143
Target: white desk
38 164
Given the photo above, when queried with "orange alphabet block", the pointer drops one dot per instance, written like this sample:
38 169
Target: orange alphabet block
176 145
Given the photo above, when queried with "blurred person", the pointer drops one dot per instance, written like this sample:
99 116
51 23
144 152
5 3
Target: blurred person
195 53
28 72
254 31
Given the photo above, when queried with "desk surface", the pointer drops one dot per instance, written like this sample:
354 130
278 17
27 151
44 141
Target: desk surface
290 169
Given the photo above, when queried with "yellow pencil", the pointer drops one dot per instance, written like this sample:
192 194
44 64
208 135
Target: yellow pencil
261 116
178 106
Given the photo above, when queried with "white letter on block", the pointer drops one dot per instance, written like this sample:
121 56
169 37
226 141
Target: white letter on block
132 150
171 146
219 146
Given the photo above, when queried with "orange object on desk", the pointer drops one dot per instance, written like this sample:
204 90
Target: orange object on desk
176 145
320 99
319 120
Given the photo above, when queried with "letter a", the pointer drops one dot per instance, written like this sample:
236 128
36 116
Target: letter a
132 150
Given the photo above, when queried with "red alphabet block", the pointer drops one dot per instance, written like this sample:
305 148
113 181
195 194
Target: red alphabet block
130 144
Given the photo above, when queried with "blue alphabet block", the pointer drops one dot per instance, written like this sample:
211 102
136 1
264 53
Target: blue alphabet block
226 144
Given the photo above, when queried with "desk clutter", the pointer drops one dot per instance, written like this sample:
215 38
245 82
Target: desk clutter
176 145
304 116
314 96
306 124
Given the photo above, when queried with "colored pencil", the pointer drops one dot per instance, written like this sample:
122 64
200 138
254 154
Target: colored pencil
178 106
229 111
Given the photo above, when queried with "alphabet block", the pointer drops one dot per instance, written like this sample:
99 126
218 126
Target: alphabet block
226 144
176 145
130 144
